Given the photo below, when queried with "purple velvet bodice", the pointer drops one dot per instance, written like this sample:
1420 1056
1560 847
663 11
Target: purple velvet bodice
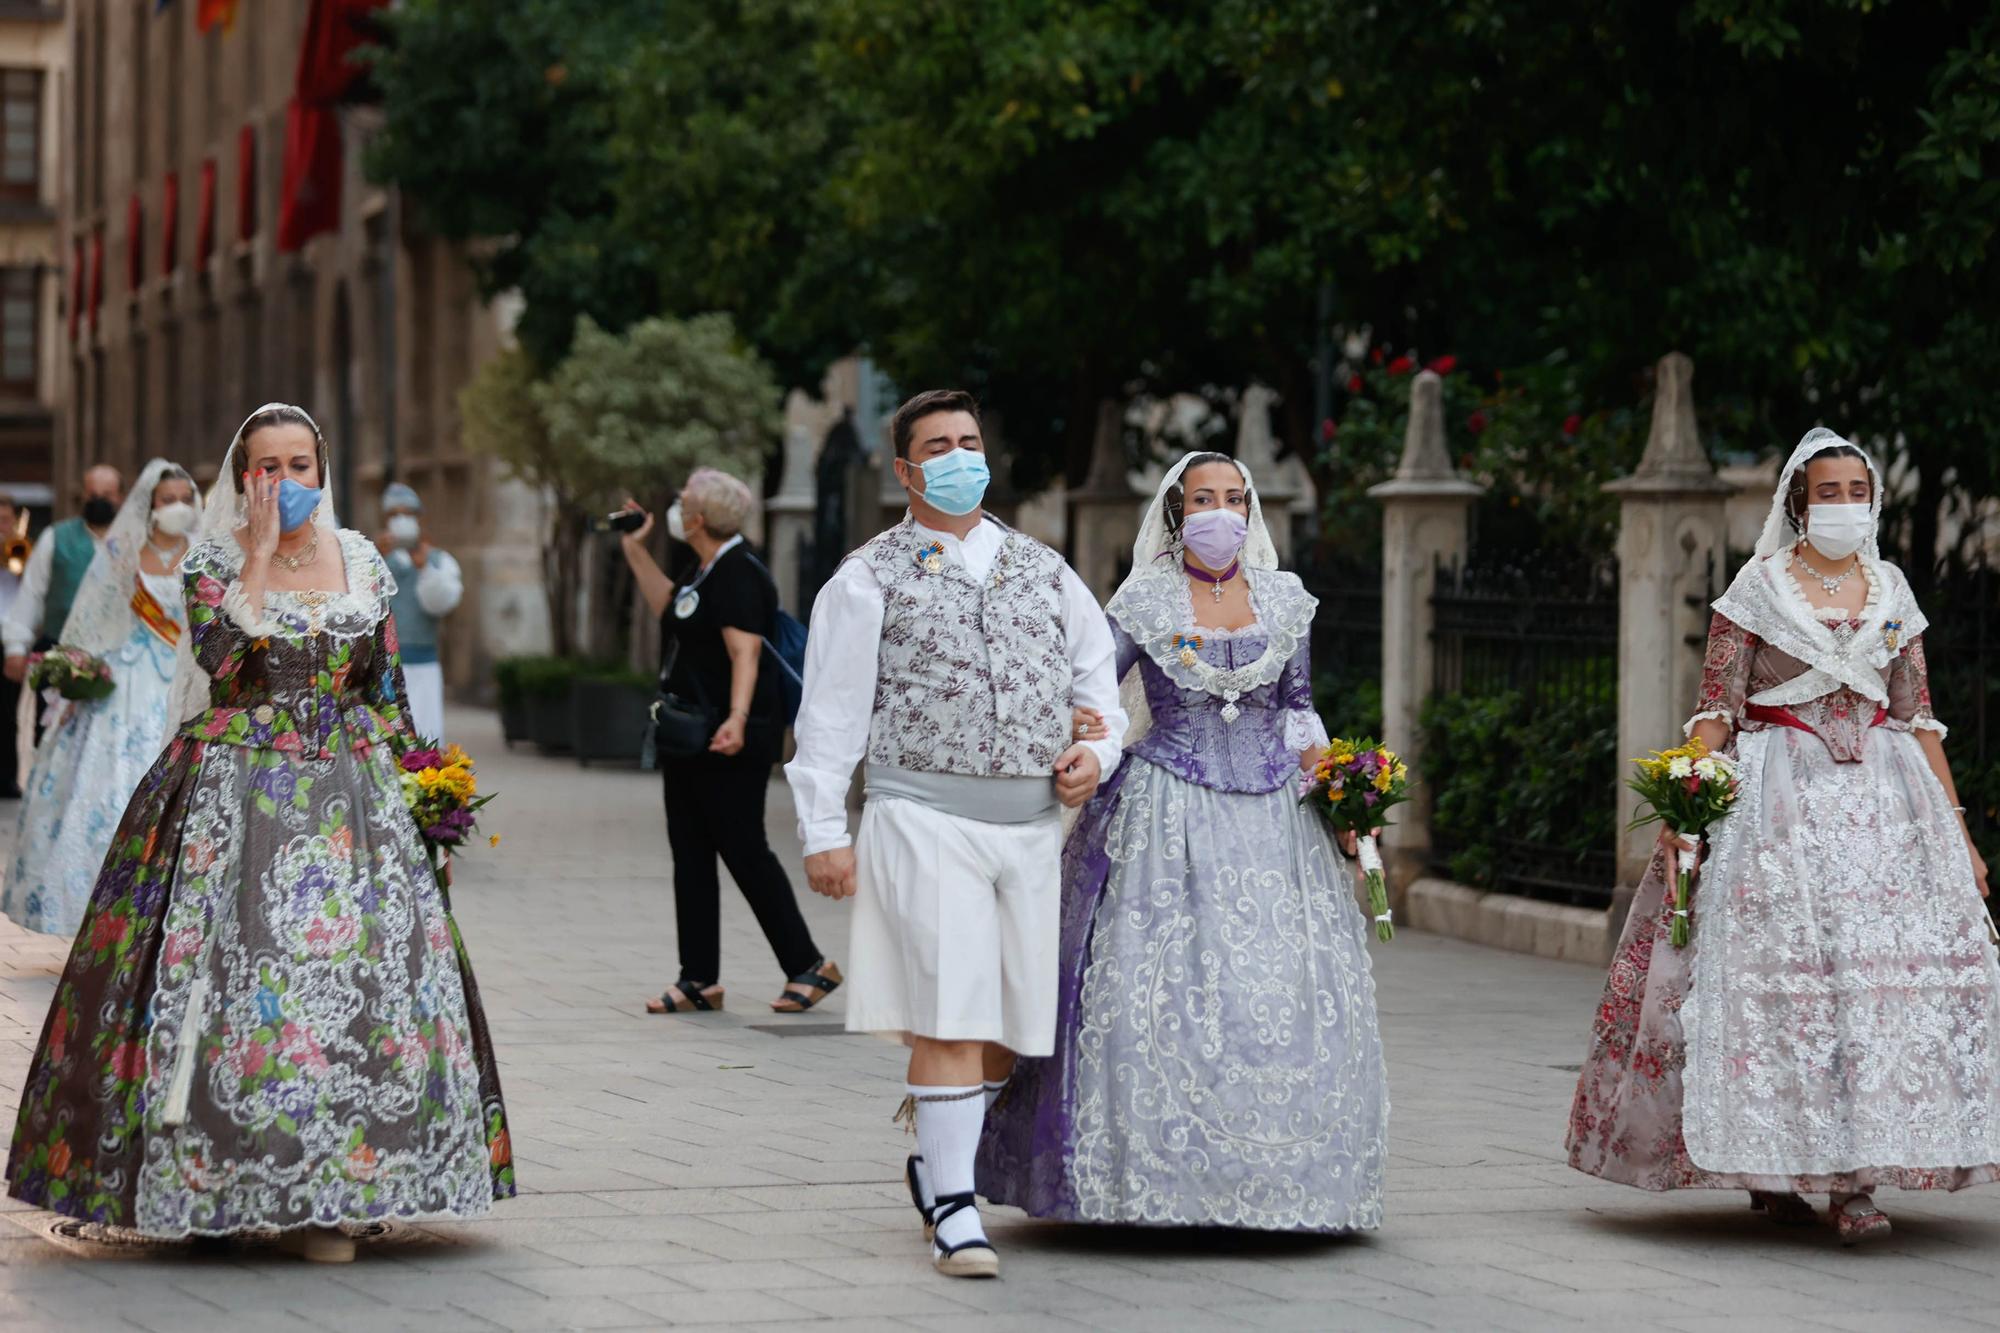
1189 736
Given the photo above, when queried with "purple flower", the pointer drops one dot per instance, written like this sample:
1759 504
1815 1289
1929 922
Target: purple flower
1370 798
277 782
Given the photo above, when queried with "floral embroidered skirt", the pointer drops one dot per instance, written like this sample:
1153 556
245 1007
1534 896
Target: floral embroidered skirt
1834 1024
267 927
1217 1058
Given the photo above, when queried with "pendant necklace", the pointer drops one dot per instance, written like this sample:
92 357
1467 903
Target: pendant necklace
303 558
1214 581
1831 584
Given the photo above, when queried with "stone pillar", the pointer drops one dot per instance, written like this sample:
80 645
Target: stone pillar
1104 512
788 515
1673 521
1426 519
1277 483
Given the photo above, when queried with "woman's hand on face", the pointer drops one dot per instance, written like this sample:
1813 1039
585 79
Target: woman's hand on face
728 738
639 534
260 512
1087 724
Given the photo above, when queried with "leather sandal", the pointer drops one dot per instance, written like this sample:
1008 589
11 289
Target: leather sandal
972 1258
917 1193
819 981
687 996
1856 1218
1786 1209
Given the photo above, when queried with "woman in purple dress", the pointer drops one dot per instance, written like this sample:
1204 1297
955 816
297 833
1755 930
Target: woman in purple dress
1217 1059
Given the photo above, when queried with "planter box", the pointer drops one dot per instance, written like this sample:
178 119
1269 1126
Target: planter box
550 724
516 721
609 719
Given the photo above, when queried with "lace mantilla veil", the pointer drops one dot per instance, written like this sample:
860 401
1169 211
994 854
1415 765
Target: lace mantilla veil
1156 545
220 519
1765 600
102 617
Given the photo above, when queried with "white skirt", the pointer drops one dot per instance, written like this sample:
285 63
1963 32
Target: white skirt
1845 1007
425 681
955 927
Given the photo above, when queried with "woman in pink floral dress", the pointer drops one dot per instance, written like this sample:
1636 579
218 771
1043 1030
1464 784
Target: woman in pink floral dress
1834 1024
268 1023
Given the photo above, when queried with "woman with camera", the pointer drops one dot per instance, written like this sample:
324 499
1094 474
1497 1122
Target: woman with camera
719 732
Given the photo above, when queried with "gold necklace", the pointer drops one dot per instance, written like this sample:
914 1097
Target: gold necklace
303 558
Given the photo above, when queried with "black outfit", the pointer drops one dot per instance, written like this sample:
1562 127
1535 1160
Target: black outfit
715 803
10 776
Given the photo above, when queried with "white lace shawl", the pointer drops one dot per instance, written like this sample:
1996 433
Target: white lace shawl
1765 599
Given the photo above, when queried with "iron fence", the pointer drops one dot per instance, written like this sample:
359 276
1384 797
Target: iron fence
1522 727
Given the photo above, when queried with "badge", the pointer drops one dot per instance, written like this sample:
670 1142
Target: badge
685 603
1892 634
931 558
1189 646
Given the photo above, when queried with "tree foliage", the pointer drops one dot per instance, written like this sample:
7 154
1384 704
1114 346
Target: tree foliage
1061 203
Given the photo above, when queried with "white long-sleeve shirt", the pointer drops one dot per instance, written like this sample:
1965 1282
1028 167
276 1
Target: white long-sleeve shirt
440 584
842 652
23 624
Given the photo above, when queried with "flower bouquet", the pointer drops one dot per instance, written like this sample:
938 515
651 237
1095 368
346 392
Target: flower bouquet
1353 786
1687 788
70 672
442 793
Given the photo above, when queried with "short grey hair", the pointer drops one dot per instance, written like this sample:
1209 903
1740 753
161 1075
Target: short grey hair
723 502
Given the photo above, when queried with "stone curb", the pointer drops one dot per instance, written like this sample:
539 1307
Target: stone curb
1503 921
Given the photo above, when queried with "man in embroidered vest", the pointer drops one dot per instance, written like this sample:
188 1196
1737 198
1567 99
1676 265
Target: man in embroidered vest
949 652
55 571
429 587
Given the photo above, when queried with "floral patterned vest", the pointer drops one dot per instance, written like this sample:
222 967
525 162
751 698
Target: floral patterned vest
972 678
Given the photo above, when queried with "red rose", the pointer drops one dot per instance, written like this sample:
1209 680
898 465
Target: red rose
1328 429
1444 365
1476 422
1572 424
1401 366
1354 384
1376 356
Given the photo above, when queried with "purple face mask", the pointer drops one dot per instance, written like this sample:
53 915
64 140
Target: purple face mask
1214 536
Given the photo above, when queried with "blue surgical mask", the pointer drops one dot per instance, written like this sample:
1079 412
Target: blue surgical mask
295 505
956 482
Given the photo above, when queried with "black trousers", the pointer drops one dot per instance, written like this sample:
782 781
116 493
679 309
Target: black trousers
10 765
715 808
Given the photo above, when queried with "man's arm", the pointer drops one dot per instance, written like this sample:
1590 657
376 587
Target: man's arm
1093 657
440 584
835 710
24 619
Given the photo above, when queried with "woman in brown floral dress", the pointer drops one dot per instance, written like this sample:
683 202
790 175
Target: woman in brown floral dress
1834 1024
268 1022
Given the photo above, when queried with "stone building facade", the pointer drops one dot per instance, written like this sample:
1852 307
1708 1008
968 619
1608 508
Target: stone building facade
182 314
33 53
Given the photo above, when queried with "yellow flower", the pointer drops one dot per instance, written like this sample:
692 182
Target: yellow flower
493 841
1383 779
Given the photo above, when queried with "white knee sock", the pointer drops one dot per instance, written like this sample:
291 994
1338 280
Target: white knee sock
948 1123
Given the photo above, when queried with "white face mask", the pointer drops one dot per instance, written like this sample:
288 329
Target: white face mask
174 520
674 526
405 529
1838 531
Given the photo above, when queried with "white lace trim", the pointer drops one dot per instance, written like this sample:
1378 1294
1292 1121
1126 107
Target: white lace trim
1157 609
1304 731
1930 724
1707 715
1767 601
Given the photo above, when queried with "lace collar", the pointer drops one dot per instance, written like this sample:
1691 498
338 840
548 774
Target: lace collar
1766 600
1157 609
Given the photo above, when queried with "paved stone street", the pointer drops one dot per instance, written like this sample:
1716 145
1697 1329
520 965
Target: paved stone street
741 1168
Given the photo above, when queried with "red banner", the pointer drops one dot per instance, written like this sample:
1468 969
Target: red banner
204 221
246 182
334 29
170 222
211 13
310 200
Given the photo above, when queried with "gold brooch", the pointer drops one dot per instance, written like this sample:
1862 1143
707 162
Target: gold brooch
931 558
1892 633
1190 645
